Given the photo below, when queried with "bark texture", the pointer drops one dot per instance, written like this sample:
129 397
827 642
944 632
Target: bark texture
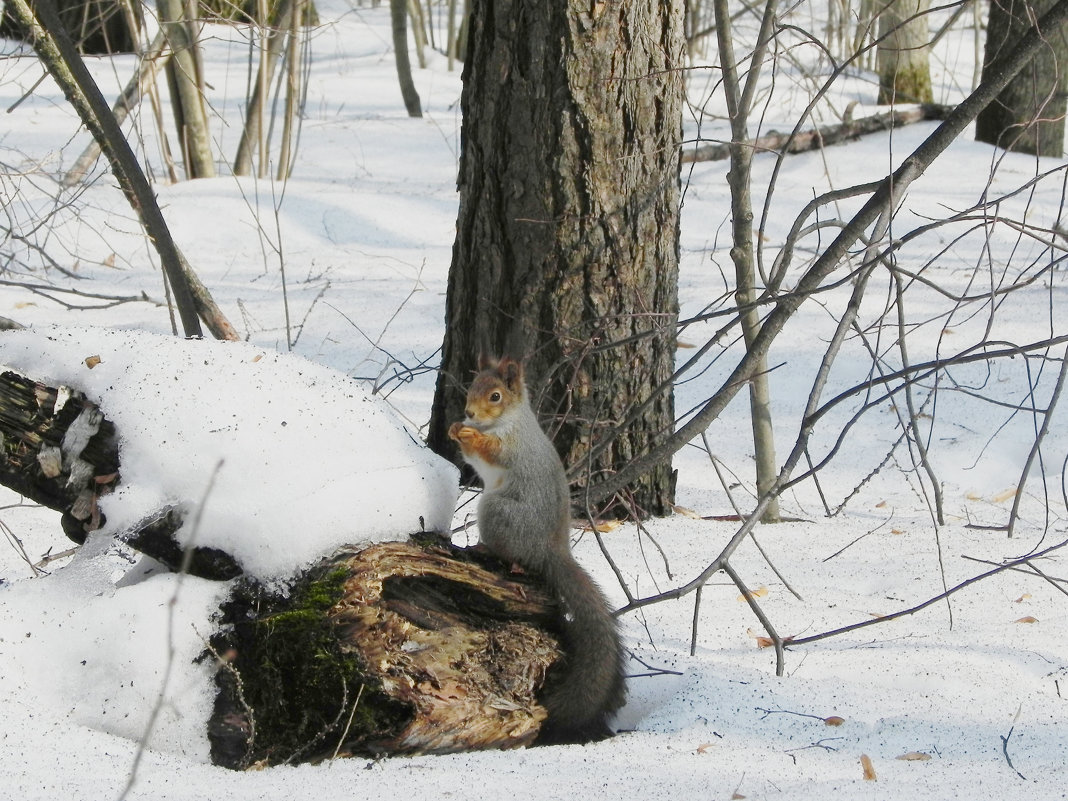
393 649
566 249
1028 115
58 450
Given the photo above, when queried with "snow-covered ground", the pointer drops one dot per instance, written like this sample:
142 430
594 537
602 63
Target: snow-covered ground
965 699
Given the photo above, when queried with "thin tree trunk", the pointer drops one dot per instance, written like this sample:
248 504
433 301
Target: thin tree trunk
450 36
398 10
567 237
151 60
253 130
415 12
183 75
1028 116
901 57
739 104
294 59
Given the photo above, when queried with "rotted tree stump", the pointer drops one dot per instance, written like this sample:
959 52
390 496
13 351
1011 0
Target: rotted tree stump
394 649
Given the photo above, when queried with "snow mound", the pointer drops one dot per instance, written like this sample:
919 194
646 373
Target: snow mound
304 459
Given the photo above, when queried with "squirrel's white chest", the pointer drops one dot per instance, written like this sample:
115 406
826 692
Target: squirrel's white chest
492 475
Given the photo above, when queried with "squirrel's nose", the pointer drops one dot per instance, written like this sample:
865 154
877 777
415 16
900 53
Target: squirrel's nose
467 411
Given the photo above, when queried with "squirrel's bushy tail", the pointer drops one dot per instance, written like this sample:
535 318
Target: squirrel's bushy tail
587 686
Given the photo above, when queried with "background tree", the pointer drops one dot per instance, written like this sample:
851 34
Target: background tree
1028 116
740 96
567 234
901 57
186 80
399 18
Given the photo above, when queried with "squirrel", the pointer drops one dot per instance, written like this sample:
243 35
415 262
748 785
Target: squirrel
524 518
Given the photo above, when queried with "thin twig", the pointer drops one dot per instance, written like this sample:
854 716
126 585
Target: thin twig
172 604
921 606
1005 742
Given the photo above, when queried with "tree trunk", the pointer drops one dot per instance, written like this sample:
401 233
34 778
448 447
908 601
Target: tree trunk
398 10
1028 115
252 135
393 649
183 75
901 57
567 238
739 105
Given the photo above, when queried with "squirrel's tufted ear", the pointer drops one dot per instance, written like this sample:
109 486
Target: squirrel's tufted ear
512 374
486 362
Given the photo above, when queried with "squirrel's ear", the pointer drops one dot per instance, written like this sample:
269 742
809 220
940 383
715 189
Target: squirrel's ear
486 362
512 374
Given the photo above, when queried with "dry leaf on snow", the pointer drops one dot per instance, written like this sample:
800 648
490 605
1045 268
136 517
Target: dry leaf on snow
686 512
869 769
759 593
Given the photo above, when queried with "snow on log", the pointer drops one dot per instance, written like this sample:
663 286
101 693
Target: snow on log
57 449
279 460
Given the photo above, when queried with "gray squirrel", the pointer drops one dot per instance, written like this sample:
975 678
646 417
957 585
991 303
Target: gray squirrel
524 517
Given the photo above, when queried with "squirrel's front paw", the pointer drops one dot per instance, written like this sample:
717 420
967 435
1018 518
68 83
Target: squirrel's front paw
454 431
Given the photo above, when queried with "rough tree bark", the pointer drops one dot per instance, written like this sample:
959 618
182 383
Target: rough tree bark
1028 115
901 57
567 237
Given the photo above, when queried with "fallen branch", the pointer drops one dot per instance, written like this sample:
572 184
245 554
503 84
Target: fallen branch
817 138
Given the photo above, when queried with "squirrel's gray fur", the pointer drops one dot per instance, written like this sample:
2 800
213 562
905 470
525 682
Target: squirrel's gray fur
524 517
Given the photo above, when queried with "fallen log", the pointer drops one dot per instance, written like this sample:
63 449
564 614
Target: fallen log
823 136
394 649
57 449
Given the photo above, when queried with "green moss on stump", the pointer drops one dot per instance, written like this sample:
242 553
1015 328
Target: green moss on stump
297 685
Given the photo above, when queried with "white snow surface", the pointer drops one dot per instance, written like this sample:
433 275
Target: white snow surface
279 460
101 653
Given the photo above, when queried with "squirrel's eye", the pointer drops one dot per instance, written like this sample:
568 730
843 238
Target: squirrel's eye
495 397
